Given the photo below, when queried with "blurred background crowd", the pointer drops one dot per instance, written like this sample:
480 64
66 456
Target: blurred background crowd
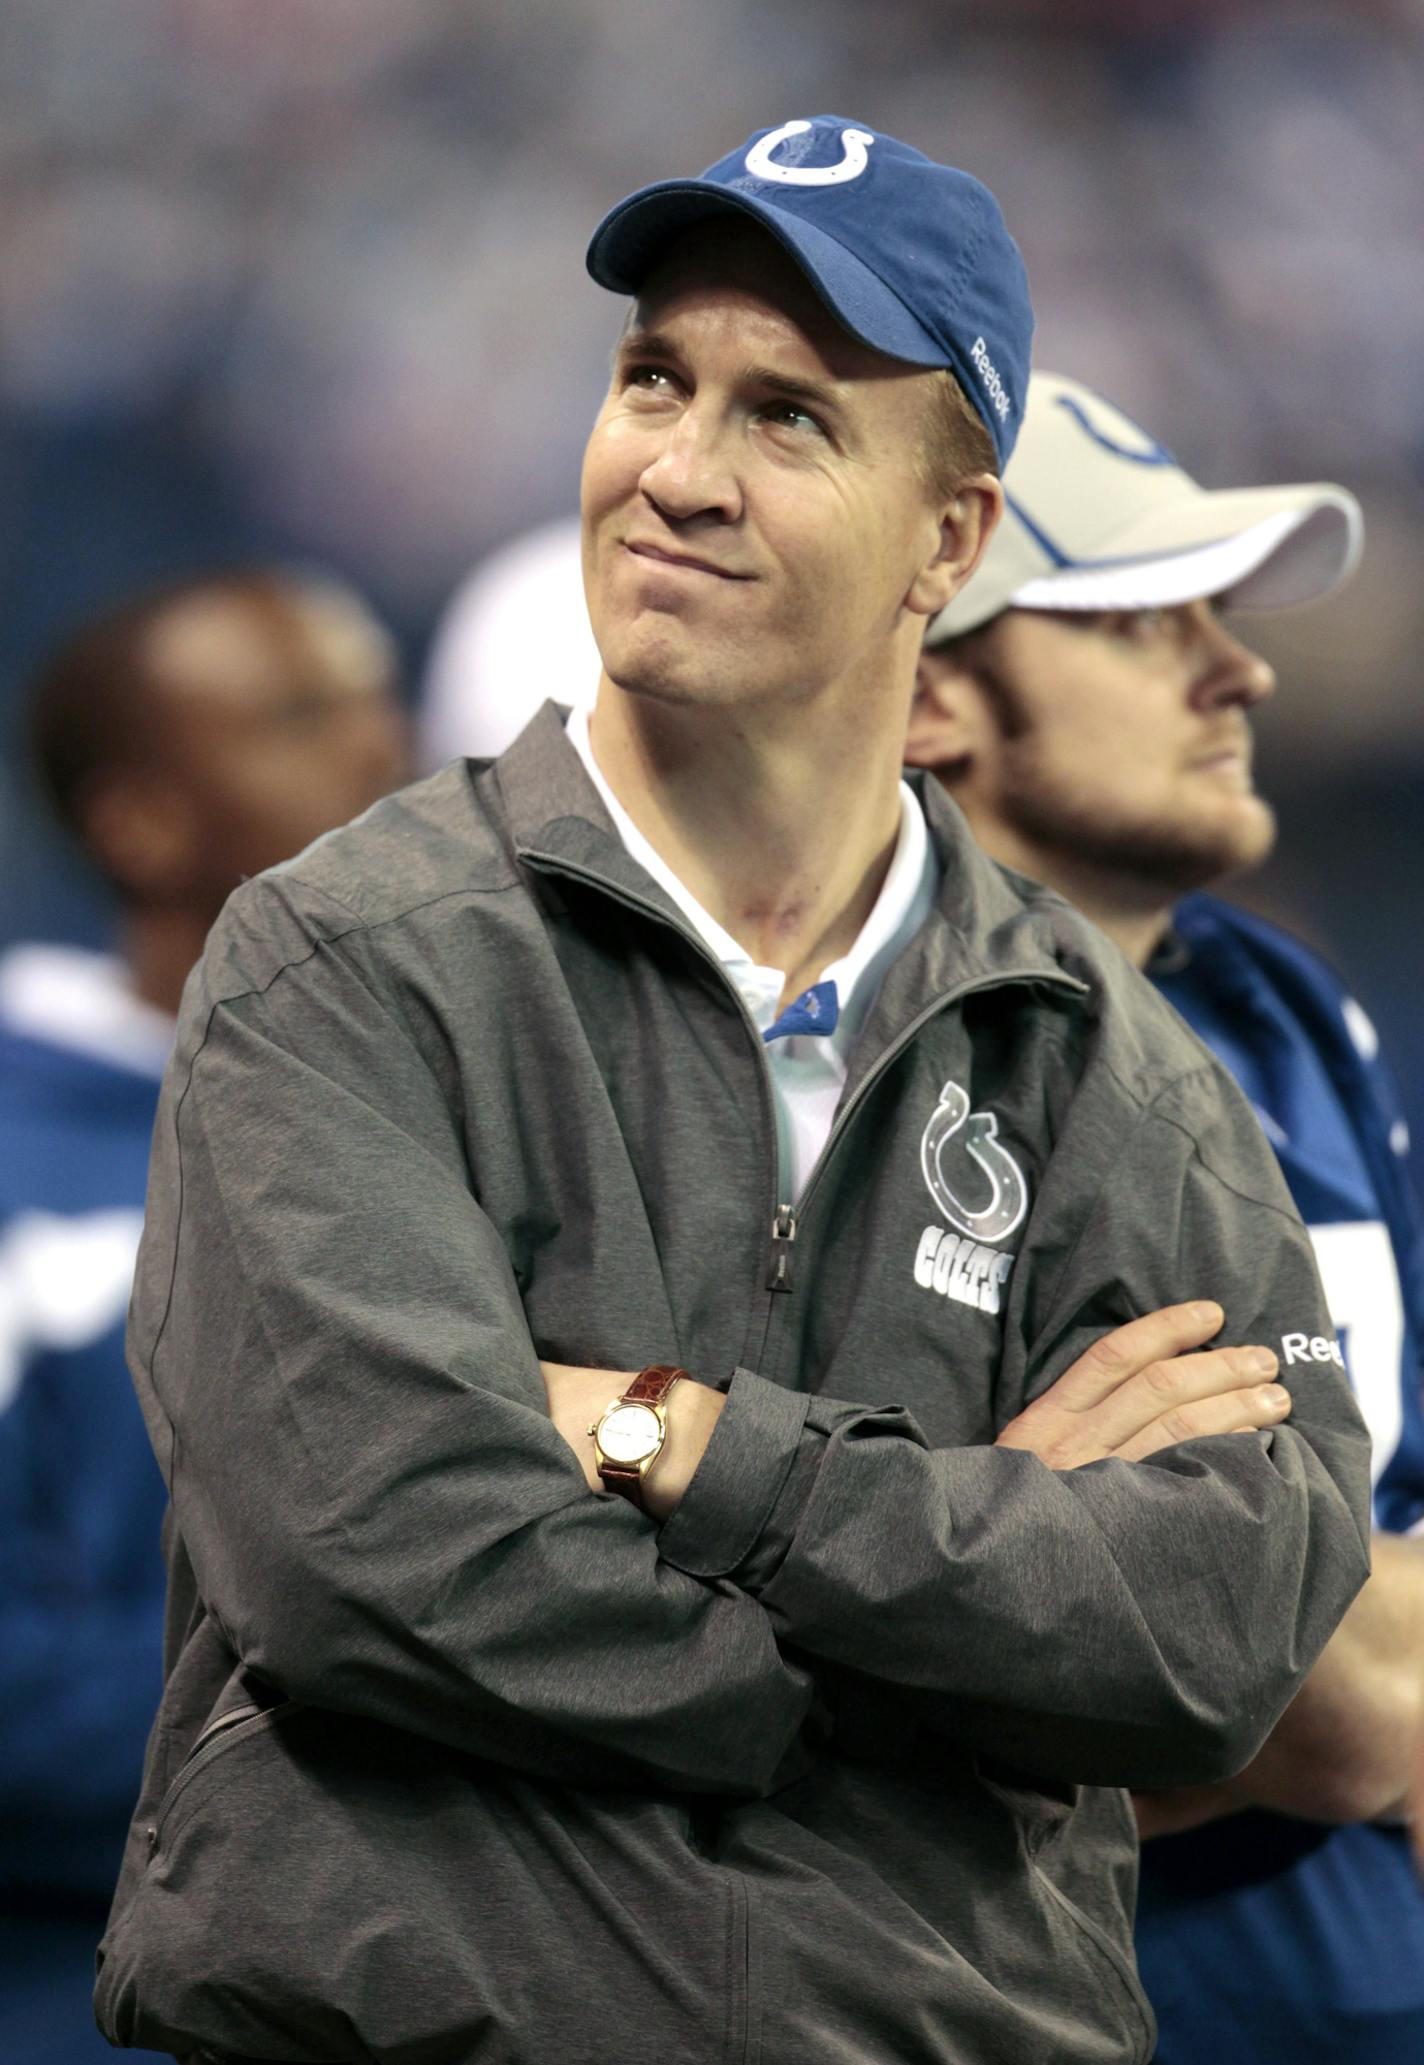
305 280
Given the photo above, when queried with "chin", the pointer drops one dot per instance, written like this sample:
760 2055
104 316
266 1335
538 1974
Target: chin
1195 855
1173 854
660 665
648 657
659 677
1248 841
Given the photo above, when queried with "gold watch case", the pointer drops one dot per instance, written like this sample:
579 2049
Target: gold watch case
630 1434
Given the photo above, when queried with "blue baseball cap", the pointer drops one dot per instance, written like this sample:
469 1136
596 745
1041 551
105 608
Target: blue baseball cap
911 257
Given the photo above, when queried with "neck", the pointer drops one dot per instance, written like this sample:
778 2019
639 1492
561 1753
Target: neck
1137 932
1132 911
159 946
781 827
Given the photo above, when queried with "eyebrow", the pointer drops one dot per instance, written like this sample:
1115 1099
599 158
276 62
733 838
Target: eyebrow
653 344
635 343
825 395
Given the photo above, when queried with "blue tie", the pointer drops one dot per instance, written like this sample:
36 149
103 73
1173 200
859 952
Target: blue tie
814 1011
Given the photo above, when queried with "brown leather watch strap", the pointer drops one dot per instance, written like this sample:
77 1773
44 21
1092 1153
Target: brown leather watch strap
652 1385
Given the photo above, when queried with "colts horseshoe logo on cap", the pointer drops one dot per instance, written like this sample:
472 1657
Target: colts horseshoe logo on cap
1008 1200
855 143
1146 452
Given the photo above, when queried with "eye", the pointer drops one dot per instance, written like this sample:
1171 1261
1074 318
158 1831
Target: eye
649 379
1136 626
791 416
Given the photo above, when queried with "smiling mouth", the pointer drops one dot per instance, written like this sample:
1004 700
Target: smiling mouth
682 562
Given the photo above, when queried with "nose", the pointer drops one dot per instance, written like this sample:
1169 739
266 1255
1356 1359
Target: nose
692 473
1229 673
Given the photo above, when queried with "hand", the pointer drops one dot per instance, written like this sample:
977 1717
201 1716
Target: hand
1137 1390
577 1398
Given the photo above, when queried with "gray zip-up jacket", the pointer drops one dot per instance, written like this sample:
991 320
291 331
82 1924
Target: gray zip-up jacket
458 1761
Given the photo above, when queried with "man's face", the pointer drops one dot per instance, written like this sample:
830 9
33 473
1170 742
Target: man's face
754 515
1121 740
272 721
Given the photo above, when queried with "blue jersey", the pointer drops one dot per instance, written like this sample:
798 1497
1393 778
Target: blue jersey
81 1498
1262 1938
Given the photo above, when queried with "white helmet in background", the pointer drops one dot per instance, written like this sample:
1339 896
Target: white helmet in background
515 635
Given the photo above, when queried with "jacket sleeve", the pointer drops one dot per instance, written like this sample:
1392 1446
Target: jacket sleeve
1123 1623
340 1383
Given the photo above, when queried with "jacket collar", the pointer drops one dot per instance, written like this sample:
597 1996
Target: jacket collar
556 816
988 924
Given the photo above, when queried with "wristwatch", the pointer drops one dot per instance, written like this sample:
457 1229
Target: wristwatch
629 1438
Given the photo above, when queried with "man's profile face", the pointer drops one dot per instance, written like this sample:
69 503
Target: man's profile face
752 506
1122 739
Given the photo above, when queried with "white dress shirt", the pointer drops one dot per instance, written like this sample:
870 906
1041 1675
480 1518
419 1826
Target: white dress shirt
808 1070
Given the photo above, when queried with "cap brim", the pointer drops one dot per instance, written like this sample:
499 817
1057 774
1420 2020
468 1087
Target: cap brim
1253 548
632 238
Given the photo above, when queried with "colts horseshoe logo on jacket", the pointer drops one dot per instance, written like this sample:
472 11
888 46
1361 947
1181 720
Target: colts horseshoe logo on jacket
980 1189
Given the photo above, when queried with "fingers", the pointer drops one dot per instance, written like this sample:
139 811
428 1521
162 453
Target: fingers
1227 1412
1149 1384
1172 1386
1128 1349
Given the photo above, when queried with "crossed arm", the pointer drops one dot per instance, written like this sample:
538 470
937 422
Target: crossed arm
321 1288
1139 1389
1346 1747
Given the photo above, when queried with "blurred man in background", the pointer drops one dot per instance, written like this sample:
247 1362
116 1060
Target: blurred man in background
187 740
1084 704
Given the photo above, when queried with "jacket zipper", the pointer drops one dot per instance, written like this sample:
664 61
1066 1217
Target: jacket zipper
221 1725
779 1274
787 1218
1000 980
779 1214
783 1233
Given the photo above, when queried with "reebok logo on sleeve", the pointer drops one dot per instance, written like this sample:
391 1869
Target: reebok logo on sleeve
1310 1348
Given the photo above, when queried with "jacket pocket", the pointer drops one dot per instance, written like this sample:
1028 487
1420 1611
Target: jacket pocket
321 1888
243 1710
1041 1806
1119 1971
1044 1809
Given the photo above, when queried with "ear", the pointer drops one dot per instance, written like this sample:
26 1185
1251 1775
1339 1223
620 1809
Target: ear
946 716
966 524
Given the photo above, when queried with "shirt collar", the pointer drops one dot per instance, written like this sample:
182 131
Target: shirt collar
906 898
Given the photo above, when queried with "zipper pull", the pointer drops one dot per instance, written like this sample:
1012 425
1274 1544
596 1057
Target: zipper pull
783 1233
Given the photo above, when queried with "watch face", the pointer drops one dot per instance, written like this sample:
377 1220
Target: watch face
630 1433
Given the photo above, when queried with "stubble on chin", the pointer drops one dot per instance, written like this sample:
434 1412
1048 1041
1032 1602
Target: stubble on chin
653 667
659 658
1175 855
